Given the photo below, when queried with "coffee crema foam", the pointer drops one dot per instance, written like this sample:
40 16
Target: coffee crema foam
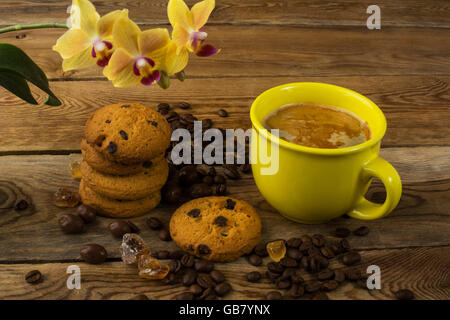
318 126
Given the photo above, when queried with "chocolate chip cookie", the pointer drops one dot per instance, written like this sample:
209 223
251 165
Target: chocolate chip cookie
129 187
98 162
216 228
128 133
117 208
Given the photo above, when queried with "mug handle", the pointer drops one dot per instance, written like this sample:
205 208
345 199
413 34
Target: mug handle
368 210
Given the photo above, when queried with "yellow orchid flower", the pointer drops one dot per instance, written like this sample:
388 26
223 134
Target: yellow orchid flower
89 40
139 55
187 26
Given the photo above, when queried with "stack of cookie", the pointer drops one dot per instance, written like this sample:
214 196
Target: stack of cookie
124 166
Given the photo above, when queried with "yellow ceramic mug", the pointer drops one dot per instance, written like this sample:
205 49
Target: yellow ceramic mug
315 185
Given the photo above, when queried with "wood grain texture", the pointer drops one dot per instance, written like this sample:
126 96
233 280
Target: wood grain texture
436 13
422 270
412 119
422 217
300 51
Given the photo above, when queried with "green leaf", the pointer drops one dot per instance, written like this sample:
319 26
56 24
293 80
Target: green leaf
17 85
13 59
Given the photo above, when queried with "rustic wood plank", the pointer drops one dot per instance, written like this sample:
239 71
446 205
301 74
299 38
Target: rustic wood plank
417 107
300 51
287 12
422 270
422 218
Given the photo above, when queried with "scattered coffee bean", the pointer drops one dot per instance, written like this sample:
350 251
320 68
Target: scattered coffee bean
222 289
185 296
297 291
342 232
283 284
288 262
327 252
339 276
294 253
93 253
246 168
353 274
274 295
33 277
189 277
205 281
196 289
170 279
294 242
163 106
330 285
134 228
404 294
188 261
318 240
344 245
184 105
217 276
21 205
188 175
207 124
203 265
351 258
255 260
230 171
208 294
219 179
172 193
261 250
164 235
163 254
362 231
86 213
325 274
71 223
221 190
288 274
253 276
312 286
275 267
174 266
118 228
176 254
223 113
199 190
154 223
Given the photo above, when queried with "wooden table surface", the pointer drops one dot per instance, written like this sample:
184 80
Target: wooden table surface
404 68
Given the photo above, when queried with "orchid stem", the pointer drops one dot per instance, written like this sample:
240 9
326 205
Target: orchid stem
34 26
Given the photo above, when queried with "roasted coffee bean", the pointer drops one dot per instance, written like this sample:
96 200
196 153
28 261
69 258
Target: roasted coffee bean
283 284
21 205
139 297
330 285
362 231
172 116
163 106
327 252
312 286
288 273
351 258
199 190
162 254
274 295
221 190
174 266
185 296
314 252
404 294
188 261
208 180
230 171
294 253
196 289
297 291
187 118
255 260
305 246
253 276
320 296
272 276
86 213
318 240
261 250
313 265
208 294
288 262
294 242
176 254
219 179
353 274
71 223
326 274
154 223
344 245
183 105
339 276
304 262
164 235
342 232
134 228
246 168
207 124
322 262
220 221
223 113
118 228
189 277
170 279
93 253
275 267
33 277
217 276
188 175
222 289
203 265
296 278
203 249
205 281
335 248
112 147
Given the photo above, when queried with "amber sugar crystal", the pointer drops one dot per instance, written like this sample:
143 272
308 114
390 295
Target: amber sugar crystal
276 250
66 198
75 170
151 268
